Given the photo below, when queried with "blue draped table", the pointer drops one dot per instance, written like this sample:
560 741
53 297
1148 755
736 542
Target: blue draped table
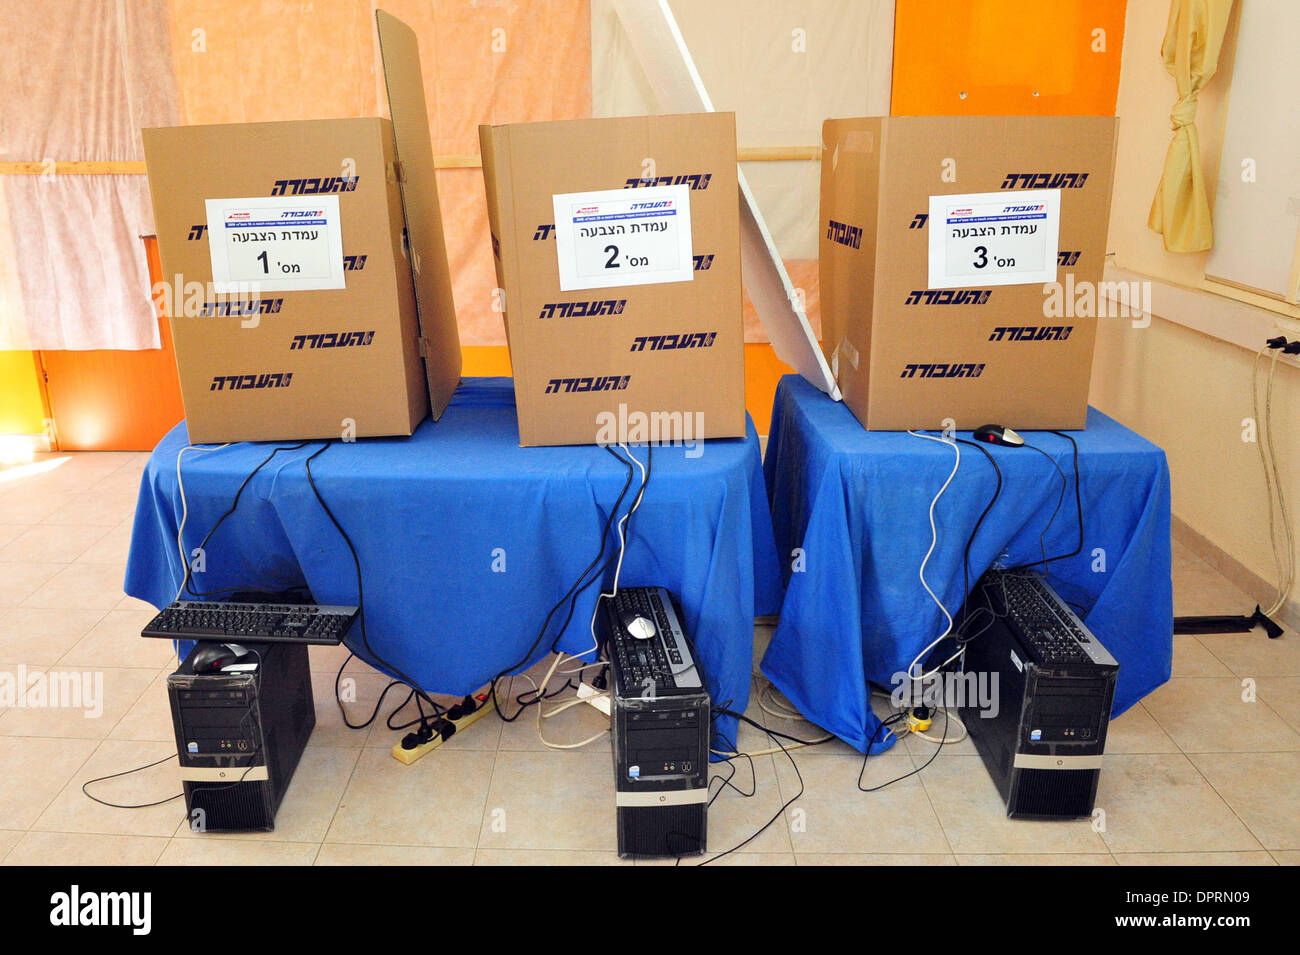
849 509
466 540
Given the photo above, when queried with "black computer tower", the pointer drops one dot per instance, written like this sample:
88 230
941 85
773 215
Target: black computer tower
1044 745
661 754
239 736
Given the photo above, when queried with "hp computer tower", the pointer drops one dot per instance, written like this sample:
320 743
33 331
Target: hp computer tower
239 735
1052 684
661 728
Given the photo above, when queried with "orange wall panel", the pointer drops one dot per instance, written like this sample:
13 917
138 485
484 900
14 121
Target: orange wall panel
1009 57
115 400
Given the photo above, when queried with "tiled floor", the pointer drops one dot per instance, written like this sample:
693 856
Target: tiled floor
1204 770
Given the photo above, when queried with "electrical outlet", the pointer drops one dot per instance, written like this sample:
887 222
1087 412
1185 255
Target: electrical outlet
1290 327
594 697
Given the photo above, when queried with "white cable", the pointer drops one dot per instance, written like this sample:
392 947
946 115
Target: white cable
934 541
622 548
1289 578
541 697
1285 568
185 510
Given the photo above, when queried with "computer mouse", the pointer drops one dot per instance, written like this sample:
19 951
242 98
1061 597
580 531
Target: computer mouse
642 628
997 434
213 657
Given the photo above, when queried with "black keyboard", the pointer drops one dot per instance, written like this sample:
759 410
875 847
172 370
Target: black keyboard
664 660
268 623
1050 631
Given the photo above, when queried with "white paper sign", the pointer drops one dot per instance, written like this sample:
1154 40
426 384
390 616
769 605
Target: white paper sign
279 244
994 238
623 237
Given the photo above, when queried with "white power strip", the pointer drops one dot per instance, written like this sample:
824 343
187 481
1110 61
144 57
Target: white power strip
594 697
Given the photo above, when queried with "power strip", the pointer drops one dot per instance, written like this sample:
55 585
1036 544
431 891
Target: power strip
594 697
408 756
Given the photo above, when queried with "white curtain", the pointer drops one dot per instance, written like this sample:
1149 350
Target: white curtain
79 80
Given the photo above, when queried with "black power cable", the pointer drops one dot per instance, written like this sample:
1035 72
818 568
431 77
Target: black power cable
185 584
361 601
579 586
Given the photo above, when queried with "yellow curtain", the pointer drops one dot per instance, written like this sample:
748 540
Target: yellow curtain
1181 211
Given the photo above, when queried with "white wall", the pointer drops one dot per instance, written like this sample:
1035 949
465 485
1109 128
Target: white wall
1186 391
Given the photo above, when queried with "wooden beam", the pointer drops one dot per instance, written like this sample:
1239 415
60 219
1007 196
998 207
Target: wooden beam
98 167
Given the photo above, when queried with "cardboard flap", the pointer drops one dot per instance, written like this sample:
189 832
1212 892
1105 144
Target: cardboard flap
670 68
427 247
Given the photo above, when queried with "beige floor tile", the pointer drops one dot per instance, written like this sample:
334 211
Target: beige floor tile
20 581
83 848
1134 731
549 857
329 659
1200 590
1194 858
87 586
550 800
734 818
42 636
1209 716
1071 859
48 543
108 508
150 716
1160 803
72 811
310 801
1193 659
9 532
1282 693
876 858
93 701
30 505
833 816
974 814
1262 790
1253 654
112 548
1286 858
360 687
335 854
115 641
8 839
573 725
34 771
437 800
131 603
215 850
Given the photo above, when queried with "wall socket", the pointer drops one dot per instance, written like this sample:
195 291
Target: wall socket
1290 327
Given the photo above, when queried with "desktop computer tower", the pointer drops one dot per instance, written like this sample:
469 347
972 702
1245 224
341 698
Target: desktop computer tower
239 735
1053 684
661 726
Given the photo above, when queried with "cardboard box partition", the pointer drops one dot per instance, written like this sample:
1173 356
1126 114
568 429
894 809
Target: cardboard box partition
649 361
258 361
908 355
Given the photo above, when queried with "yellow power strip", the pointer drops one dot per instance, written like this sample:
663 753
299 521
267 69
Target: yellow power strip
408 756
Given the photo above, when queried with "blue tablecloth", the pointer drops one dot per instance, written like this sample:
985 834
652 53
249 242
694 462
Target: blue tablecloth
466 540
855 503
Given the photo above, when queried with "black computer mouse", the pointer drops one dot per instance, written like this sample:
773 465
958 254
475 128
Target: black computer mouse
997 434
212 657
